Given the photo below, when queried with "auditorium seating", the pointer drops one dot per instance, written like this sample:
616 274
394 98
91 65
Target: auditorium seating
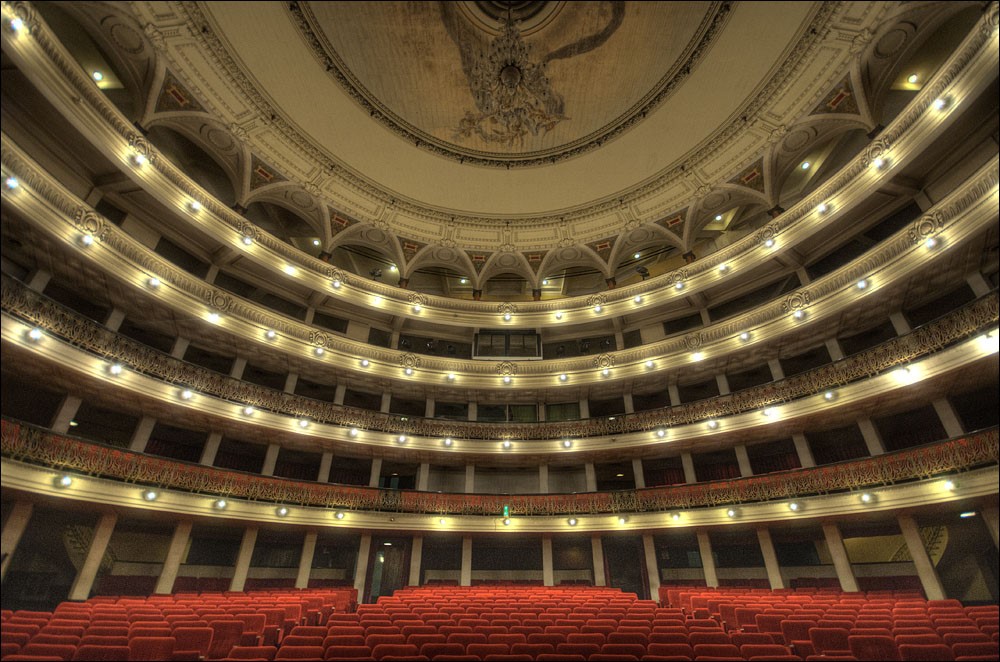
508 622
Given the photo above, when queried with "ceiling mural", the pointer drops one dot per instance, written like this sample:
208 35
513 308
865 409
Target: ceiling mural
481 85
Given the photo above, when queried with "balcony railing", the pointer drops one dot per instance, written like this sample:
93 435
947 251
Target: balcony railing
25 443
34 308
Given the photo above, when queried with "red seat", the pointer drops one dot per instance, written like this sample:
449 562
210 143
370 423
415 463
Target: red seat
925 652
101 653
595 638
717 650
739 639
382 651
668 638
585 650
225 635
299 653
252 652
348 653
670 650
198 639
532 649
763 650
151 648
482 650
61 651
696 638
638 650
58 639
873 647
976 649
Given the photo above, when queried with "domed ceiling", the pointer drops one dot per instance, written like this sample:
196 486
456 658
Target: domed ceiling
509 83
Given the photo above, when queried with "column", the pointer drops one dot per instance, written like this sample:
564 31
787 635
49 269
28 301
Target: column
652 567
688 463
900 324
416 556
140 437
290 382
325 463
777 372
873 440
597 551
978 284
675 395
590 473
543 479
836 351
952 426
584 409
925 568
13 529
211 448
95 554
629 403
339 394
474 411
429 408
423 476
707 561
470 478
802 449
723 384
243 559
548 575
175 556
376 474
67 411
841 562
743 459
306 560
361 567
770 558
39 280
239 365
991 516
638 474
179 347
270 460
466 576
386 403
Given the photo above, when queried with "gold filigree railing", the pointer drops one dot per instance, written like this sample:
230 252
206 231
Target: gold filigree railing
29 444
34 308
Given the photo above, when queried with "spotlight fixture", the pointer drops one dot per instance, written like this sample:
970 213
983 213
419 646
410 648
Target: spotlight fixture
365 363
723 268
507 379
940 103
799 314
506 444
805 165
661 433
97 76
678 286
247 240
605 372
675 516
248 410
571 521
793 506
861 284
697 356
650 364
11 183
35 334
87 240
506 521
153 282
866 497
150 495
769 412
442 521
912 79
339 514
949 485
823 208
281 511
745 336
16 24
931 242
65 480
194 205
563 377
829 396
417 307
139 159
731 512
636 256
448 441
450 377
353 432
559 315
878 163
637 298
220 504
769 243
336 284
408 371
187 394
713 425
567 443
622 519
115 368
319 351
303 423
214 318
463 281
401 439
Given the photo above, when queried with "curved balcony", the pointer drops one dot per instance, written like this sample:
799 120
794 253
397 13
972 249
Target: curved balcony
27 444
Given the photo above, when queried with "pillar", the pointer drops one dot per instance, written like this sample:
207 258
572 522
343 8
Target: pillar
836 351
376 474
925 568
841 562
873 440
325 463
239 365
361 567
290 382
67 411
39 280
416 556
723 384
548 575
743 459
590 473
638 473
179 347
707 561
688 463
900 324
470 478
802 449
652 567
423 476
675 395
991 516
777 372
270 460
140 437
175 556
84 581
466 573
978 284
339 394
386 403
770 558
952 426
306 560
211 448
543 479
597 551
242 567
13 529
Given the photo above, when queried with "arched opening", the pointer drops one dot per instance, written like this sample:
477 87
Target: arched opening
196 163
367 262
285 225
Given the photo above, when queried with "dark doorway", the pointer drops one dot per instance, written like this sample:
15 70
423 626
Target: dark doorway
625 564
388 567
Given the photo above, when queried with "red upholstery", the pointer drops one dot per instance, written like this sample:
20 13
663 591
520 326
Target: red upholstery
299 653
925 652
151 648
670 650
252 652
99 653
977 649
382 651
873 647
60 651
